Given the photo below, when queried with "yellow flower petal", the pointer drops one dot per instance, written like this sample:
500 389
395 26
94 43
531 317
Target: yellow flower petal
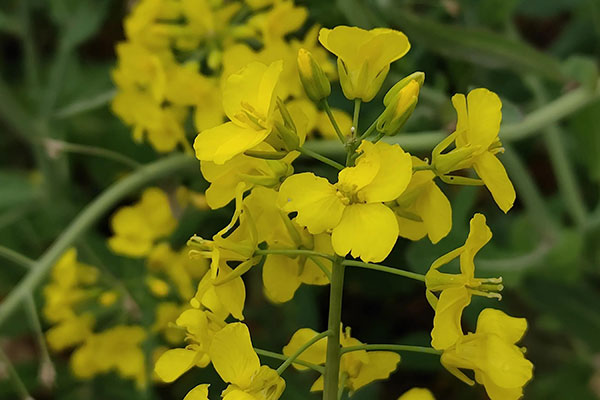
416 394
496 322
494 176
237 394
315 354
448 312
485 114
281 278
200 392
223 142
315 199
233 356
381 364
368 231
436 212
232 295
504 363
174 363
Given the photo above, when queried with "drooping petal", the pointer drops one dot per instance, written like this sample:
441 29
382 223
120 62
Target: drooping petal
479 235
381 364
281 278
232 295
448 312
199 392
174 363
394 173
315 199
416 394
237 394
496 322
494 176
435 211
223 142
368 231
504 363
496 392
233 356
315 354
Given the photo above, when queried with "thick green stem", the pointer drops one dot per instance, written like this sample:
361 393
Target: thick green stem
95 210
301 350
332 366
334 123
283 357
323 159
392 347
383 268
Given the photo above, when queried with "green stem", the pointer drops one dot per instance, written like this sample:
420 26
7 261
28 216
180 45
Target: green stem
321 266
87 104
266 155
317 156
383 268
20 387
294 253
30 55
301 350
283 357
332 365
565 175
392 347
53 145
342 386
47 371
334 123
95 210
369 130
17 258
357 103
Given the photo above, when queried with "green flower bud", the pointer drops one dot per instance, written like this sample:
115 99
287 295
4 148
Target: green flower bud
400 102
316 85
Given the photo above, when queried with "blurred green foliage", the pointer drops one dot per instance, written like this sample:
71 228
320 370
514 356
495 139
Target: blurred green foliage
56 61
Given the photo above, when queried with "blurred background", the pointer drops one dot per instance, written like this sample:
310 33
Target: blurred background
540 56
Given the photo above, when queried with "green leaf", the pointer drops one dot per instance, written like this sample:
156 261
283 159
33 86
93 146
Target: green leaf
78 20
474 45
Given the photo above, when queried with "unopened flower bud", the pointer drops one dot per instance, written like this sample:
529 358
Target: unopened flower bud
400 102
313 78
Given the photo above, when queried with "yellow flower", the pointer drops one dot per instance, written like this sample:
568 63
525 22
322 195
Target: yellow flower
137 227
236 363
423 209
250 171
283 18
166 314
457 289
477 144
364 57
70 331
360 367
417 394
117 348
353 209
491 352
283 275
249 101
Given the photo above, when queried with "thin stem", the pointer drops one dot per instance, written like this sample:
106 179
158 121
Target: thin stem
54 146
317 156
30 55
332 364
20 387
95 210
266 155
283 357
301 350
47 372
383 268
294 253
334 123
342 386
392 347
87 104
357 103
17 258
321 266
369 130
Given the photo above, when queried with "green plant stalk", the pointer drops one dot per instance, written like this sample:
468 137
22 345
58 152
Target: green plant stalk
322 158
86 218
61 146
17 258
20 387
293 253
334 123
283 357
332 364
392 347
383 268
47 372
301 350
554 111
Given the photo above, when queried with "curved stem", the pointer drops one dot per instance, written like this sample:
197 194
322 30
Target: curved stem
383 268
334 123
17 258
301 350
20 387
392 347
323 159
54 146
96 209
293 253
332 364
279 356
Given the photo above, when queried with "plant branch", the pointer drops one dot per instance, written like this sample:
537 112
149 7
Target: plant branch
332 363
383 268
392 347
283 357
293 253
16 257
334 123
301 350
317 156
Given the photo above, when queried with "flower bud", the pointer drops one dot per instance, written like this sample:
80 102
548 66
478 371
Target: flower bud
316 85
400 102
